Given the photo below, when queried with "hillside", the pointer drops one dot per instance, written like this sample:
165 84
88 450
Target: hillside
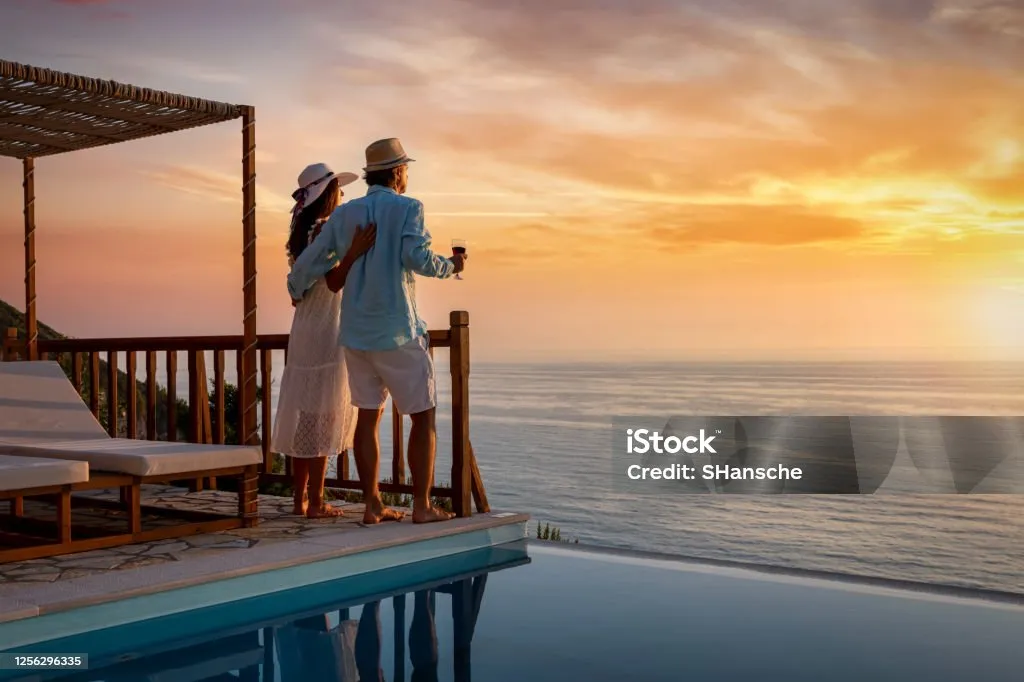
12 317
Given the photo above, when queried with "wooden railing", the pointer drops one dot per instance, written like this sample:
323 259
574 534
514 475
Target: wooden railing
207 415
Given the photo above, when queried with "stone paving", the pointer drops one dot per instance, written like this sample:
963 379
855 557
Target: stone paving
277 524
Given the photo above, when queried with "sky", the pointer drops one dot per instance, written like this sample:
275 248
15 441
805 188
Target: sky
642 179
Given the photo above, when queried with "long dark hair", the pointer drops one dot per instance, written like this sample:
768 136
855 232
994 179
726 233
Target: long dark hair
320 209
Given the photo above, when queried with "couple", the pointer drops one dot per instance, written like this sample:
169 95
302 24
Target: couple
362 257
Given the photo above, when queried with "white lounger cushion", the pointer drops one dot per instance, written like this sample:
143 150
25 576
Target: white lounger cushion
24 473
140 457
37 402
41 415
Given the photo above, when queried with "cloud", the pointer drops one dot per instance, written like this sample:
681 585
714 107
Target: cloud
844 111
487 214
982 17
215 186
760 226
100 9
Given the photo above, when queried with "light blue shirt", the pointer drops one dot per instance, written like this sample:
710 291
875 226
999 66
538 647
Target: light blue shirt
379 299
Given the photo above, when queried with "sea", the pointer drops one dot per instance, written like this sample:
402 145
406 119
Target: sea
541 434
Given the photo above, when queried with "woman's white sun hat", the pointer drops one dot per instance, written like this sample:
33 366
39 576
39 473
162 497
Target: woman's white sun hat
313 180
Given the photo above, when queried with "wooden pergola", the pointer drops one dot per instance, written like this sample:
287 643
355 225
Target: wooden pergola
44 113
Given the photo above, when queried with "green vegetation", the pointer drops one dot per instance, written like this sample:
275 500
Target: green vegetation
553 534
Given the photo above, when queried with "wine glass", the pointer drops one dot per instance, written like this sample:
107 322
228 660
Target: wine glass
459 247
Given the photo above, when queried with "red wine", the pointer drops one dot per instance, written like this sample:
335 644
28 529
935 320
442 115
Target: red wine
459 249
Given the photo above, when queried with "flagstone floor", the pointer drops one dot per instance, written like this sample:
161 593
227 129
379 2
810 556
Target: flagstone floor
277 524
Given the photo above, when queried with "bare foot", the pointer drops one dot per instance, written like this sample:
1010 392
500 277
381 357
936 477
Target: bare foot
326 511
300 508
376 512
430 515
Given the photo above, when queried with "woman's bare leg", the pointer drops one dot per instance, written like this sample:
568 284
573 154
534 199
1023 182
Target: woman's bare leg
318 507
300 479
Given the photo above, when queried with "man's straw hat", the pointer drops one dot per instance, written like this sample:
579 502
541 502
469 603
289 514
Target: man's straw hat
385 154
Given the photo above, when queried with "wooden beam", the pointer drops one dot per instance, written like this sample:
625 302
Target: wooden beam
247 387
479 494
439 338
462 497
31 325
19 133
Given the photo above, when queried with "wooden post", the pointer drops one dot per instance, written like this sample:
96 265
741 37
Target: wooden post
151 395
113 405
76 372
11 343
265 372
94 383
218 394
172 395
204 382
247 388
397 445
31 327
461 479
195 416
132 399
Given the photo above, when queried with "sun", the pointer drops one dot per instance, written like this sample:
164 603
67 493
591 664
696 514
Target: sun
998 312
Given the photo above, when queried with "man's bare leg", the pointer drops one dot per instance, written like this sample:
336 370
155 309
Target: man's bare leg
367 456
300 479
423 639
422 448
318 507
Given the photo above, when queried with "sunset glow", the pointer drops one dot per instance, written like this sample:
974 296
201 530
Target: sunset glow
655 179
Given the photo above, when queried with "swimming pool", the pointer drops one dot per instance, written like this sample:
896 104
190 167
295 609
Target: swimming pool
543 612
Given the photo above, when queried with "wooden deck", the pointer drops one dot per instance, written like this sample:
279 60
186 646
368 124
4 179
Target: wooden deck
106 371
280 541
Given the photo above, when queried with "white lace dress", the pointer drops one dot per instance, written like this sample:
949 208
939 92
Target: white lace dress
315 415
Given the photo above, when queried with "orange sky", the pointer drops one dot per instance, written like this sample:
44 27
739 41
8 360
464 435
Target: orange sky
644 179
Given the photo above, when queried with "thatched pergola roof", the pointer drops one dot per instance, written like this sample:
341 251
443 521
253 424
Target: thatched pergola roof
44 112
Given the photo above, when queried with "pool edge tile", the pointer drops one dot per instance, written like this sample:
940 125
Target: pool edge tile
16 609
114 586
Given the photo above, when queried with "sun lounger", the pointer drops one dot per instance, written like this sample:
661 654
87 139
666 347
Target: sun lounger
22 477
42 417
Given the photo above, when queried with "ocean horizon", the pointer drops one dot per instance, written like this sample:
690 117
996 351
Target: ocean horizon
541 433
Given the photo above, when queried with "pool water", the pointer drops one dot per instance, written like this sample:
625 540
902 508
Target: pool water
542 613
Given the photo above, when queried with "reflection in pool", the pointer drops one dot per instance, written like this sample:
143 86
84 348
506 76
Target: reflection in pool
568 615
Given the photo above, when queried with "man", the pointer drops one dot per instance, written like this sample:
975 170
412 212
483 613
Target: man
385 340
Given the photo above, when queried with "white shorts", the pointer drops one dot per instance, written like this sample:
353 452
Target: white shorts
407 373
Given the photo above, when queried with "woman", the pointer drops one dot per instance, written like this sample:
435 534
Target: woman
315 415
